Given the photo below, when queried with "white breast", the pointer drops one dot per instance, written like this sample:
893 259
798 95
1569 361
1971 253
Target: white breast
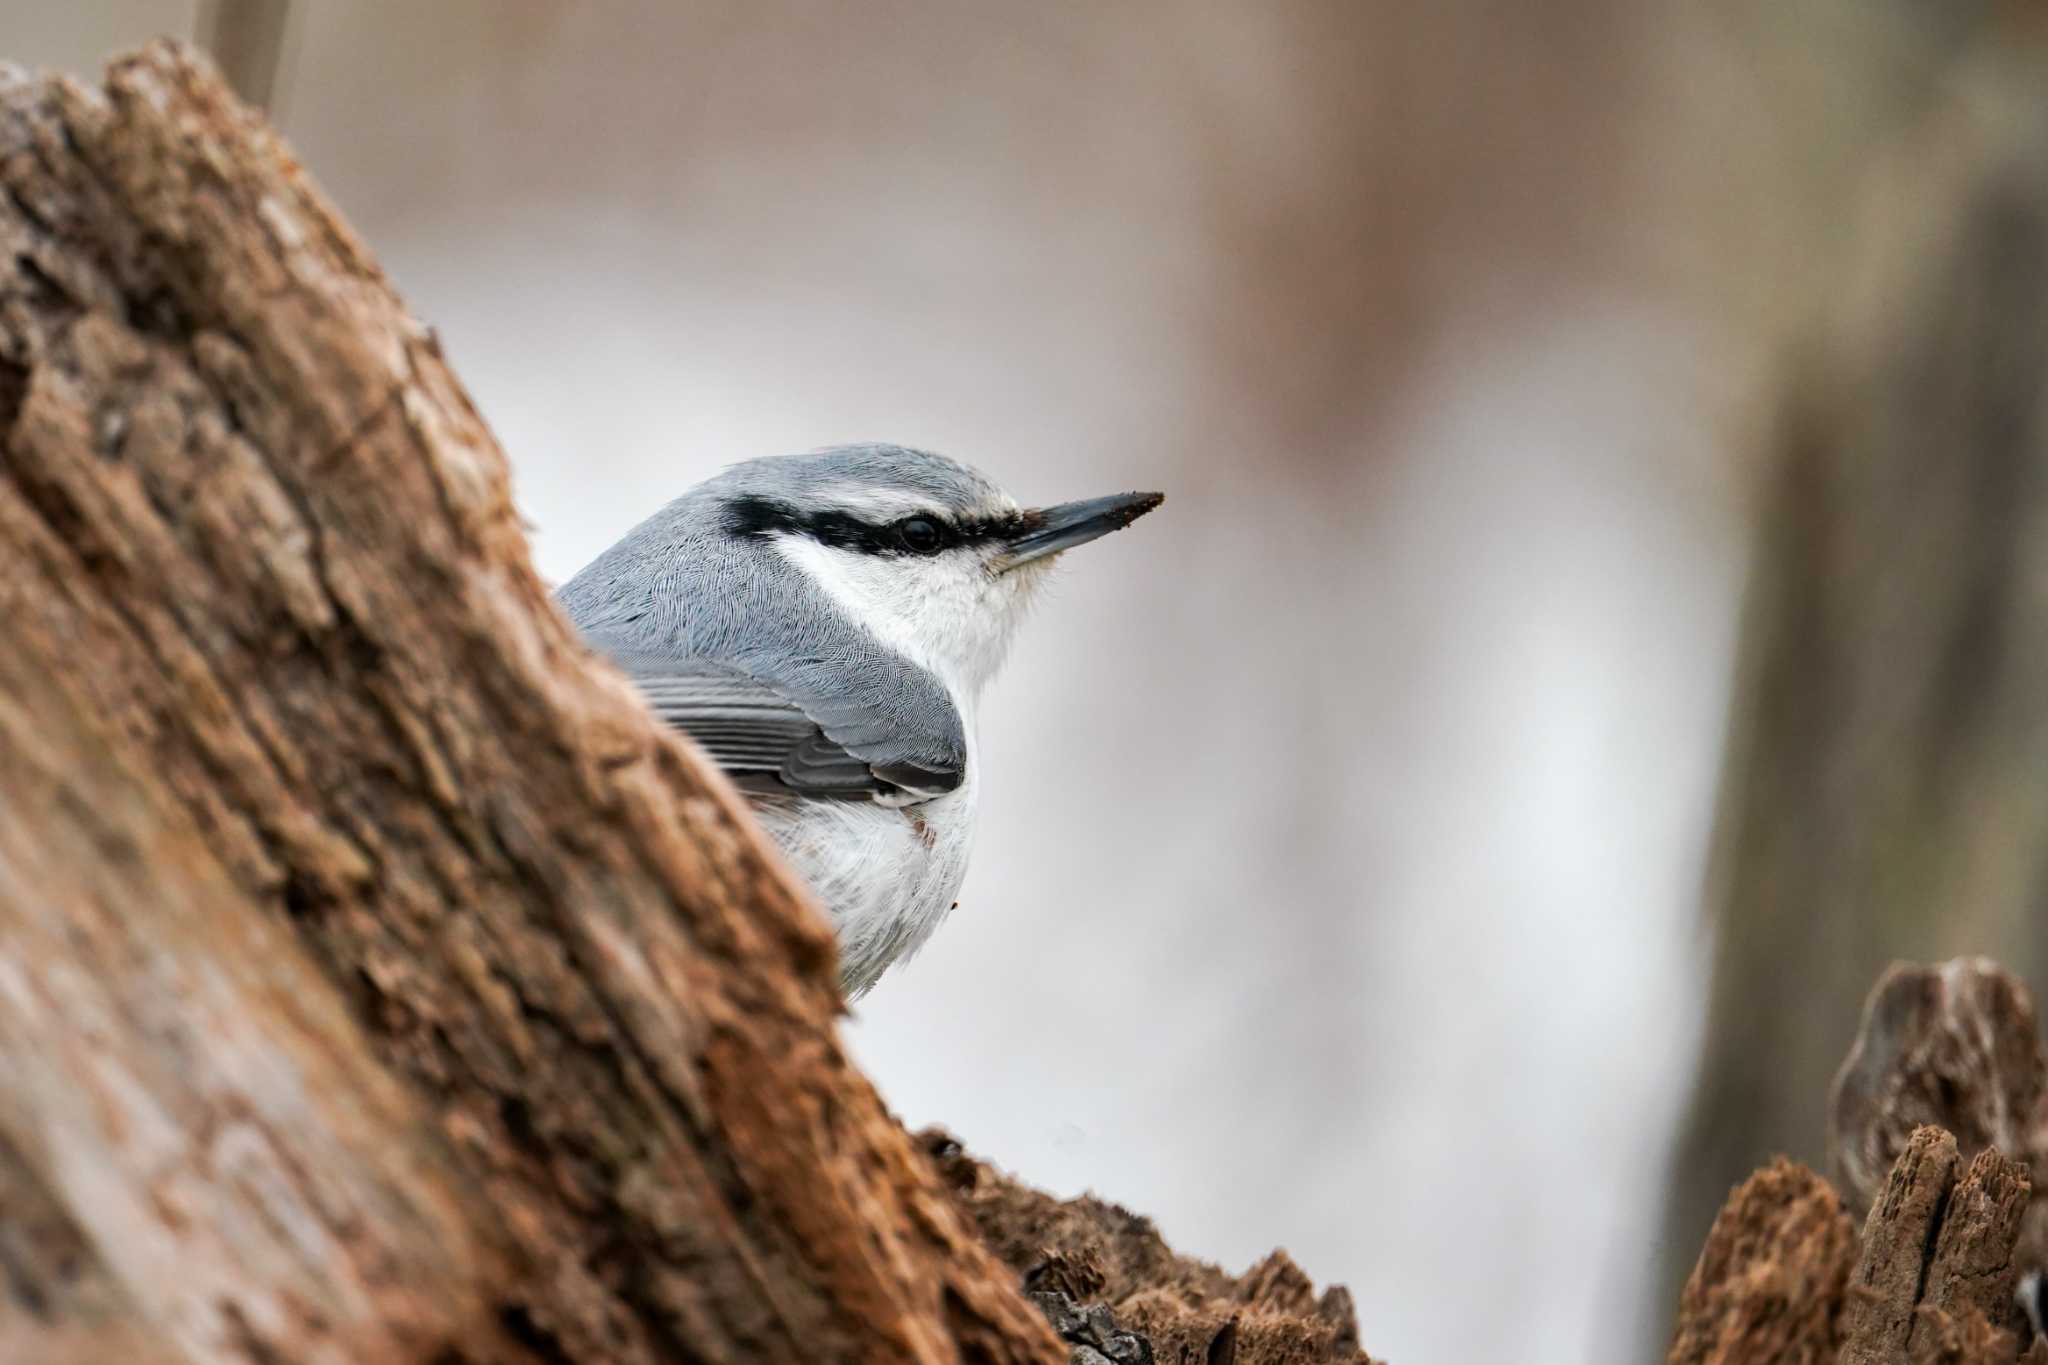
886 875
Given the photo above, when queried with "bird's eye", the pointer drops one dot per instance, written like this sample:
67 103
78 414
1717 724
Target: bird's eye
920 535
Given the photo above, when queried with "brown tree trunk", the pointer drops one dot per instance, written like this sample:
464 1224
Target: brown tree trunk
1884 794
378 981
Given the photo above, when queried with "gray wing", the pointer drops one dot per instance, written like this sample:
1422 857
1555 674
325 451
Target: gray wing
766 738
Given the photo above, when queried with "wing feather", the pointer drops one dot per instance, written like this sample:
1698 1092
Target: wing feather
762 734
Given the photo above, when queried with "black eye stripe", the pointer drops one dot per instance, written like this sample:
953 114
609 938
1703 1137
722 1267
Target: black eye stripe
757 516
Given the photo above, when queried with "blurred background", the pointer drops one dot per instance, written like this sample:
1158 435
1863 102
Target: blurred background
1601 612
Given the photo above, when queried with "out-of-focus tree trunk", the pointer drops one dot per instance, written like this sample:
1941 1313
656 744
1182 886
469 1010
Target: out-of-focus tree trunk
378 980
246 40
1887 783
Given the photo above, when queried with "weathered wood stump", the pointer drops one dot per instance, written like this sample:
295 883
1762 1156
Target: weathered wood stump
1943 1052
378 980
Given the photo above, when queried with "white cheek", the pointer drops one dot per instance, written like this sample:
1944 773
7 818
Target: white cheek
946 613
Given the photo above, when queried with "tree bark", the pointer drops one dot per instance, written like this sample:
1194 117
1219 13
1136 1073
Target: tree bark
1768 1284
1108 1281
1932 1281
378 980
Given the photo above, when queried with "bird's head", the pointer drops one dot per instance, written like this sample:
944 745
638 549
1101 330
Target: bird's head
928 555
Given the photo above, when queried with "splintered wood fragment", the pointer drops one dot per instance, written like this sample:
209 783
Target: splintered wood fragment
1936 1268
1884 1290
1972 1269
1094 1266
1771 1275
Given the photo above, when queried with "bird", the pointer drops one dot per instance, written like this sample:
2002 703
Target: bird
823 625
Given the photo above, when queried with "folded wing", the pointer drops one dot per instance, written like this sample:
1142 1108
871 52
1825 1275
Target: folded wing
769 737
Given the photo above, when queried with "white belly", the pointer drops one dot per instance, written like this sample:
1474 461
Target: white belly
886 875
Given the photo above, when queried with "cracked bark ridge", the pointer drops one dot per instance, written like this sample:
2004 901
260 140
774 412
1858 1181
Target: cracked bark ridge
1111 1284
378 979
1936 1271
1972 1270
1769 1281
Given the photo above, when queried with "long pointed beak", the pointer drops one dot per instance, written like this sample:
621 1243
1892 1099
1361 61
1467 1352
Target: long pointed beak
1052 529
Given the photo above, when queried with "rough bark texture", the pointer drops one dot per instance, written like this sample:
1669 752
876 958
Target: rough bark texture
378 981
1971 1272
1932 1280
60 1306
1898 1238
1936 1273
1768 1285
1112 1285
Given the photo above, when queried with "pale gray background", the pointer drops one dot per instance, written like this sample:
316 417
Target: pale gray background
1343 822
